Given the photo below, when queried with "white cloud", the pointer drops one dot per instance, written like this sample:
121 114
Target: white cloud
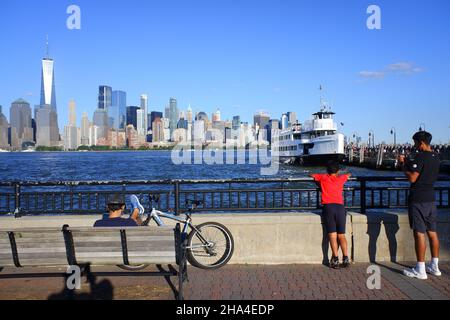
372 74
403 68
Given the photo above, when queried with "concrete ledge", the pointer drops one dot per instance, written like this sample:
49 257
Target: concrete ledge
290 238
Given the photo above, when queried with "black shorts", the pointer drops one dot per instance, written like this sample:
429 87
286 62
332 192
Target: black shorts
422 216
334 218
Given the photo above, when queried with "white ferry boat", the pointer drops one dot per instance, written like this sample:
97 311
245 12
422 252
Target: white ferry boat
315 142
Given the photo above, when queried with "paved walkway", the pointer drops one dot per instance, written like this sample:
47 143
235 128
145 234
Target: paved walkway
235 282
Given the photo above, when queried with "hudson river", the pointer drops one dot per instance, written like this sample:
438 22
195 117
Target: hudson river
135 165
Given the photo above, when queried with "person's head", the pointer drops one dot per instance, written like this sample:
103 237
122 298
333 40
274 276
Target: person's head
332 167
116 203
422 140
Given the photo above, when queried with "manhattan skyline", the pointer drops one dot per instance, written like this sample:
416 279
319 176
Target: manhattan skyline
241 58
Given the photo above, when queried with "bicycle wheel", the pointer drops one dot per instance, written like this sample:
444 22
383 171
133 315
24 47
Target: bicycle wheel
210 246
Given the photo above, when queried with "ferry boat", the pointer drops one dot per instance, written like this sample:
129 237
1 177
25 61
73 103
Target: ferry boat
315 142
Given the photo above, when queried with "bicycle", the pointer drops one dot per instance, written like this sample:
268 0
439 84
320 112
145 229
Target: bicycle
210 245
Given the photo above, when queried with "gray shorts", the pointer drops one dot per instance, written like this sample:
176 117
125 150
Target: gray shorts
422 216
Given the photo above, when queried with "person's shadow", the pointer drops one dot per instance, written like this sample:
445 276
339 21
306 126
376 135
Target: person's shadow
391 227
102 290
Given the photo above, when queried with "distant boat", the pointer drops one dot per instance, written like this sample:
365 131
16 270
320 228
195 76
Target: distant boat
1 150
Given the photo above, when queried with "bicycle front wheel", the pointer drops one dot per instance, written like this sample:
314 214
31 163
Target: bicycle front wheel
210 246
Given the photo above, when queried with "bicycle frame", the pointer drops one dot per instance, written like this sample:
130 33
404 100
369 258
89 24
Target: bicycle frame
187 221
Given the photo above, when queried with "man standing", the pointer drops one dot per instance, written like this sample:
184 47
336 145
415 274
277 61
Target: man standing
422 172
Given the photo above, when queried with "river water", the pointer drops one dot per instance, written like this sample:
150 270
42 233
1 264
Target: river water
137 165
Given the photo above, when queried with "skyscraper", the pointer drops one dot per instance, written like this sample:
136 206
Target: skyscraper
4 125
292 118
236 123
101 121
261 119
153 116
48 93
173 115
140 123
216 115
144 107
20 118
119 105
47 132
46 114
84 129
132 116
189 116
72 114
104 97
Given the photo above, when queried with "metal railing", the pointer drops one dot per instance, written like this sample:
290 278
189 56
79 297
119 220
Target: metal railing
362 193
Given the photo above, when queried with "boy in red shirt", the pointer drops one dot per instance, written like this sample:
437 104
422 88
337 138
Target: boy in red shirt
334 214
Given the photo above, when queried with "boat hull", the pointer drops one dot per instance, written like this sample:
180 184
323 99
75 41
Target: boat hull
315 160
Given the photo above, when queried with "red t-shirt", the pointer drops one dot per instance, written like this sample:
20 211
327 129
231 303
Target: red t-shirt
332 187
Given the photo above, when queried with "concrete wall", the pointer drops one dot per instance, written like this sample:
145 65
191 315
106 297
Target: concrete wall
285 238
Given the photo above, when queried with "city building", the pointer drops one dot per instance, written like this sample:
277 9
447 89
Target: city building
71 134
132 116
284 121
144 108
100 120
4 125
261 119
132 137
189 116
140 122
173 114
93 135
48 93
292 118
20 123
216 116
157 130
199 131
119 109
236 123
104 97
72 113
47 132
84 130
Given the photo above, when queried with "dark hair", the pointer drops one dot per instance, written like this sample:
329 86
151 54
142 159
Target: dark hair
111 207
332 167
423 136
115 202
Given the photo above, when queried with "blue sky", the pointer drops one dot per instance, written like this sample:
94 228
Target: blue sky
241 56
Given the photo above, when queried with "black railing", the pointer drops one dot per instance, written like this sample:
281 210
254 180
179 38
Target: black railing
363 193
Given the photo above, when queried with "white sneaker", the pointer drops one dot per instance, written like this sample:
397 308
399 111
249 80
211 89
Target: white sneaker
136 204
433 269
413 273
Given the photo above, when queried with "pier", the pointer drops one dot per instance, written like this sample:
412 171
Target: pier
384 157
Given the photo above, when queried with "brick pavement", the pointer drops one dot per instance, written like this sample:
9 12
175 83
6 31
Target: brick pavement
233 282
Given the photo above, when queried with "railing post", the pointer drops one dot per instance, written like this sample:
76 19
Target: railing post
17 213
363 195
177 198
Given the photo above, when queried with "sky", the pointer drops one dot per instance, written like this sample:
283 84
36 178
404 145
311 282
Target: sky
241 57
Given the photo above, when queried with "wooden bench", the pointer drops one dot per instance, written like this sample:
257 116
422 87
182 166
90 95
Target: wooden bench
89 246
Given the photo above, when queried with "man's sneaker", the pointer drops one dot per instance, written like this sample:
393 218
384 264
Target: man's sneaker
413 273
433 269
346 262
334 263
136 204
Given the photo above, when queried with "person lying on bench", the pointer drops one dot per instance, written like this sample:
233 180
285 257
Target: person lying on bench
116 206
